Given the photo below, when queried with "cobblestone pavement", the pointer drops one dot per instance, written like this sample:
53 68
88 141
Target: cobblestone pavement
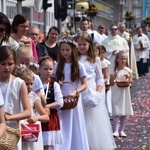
138 126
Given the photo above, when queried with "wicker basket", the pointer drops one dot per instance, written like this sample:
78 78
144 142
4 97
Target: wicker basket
123 83
70 102
9 139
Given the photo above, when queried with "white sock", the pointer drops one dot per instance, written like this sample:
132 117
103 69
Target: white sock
122 123
116 123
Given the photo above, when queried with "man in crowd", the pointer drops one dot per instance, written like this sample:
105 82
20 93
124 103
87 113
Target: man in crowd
141 45
113 44
101 30
86 26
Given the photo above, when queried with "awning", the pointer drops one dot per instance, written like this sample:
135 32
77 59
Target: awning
28 3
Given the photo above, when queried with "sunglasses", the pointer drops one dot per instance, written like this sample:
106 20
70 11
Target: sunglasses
114 29
2 29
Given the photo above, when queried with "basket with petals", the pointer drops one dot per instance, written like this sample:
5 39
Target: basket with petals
123 83
70 101
30 132
10 139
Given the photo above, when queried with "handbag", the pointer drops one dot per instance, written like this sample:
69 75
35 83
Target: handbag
11 137
92 98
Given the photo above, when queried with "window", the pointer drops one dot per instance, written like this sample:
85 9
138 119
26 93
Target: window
11 9
137 13
122 1
137 1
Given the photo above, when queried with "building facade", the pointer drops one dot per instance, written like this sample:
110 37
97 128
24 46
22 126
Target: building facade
10 8
109 12
139 8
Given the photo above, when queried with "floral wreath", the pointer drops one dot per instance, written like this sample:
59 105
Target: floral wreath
68 41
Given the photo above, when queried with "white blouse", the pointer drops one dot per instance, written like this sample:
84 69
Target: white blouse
57 94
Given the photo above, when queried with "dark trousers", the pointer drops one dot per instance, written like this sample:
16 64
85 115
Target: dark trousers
142 67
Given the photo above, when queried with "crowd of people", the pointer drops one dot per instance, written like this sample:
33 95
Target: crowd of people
35 76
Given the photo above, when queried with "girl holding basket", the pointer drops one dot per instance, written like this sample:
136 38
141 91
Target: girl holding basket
14 91
69 70
121 100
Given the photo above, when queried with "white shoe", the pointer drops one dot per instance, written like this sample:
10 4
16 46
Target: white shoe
122 134
115 134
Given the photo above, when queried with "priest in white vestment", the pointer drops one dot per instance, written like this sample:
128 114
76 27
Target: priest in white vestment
113 44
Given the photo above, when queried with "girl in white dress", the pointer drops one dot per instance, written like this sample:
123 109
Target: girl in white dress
51 130
97 121
101 51
2 119
14 91
121 98
68 69
35 103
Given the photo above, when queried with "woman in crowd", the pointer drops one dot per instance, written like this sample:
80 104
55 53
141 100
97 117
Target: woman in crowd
20 26
51 42
5 31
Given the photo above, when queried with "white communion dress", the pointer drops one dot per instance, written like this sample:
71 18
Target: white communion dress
98 126
121 98
72 120
39 144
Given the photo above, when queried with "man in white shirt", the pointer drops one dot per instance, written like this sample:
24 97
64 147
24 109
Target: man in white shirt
141 45
101 30
86 27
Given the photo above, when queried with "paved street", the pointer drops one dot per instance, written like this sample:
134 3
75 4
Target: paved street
138 126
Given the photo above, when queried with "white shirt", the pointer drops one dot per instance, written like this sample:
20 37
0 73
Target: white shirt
97 37
145 42
12 43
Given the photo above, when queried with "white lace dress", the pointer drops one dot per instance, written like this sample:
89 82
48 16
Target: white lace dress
39 144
